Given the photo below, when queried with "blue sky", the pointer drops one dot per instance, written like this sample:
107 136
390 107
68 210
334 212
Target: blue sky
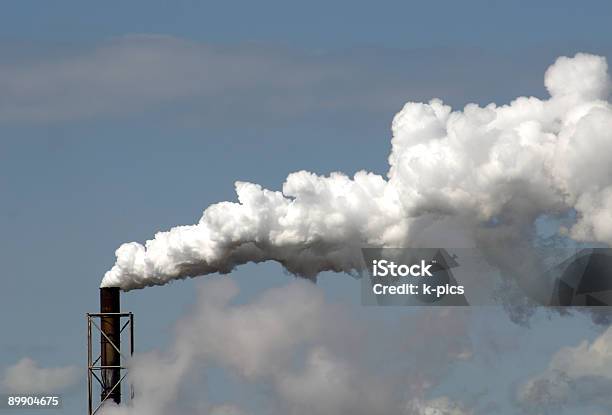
492 24
96 151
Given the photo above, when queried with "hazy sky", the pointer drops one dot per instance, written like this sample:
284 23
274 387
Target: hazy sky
120 119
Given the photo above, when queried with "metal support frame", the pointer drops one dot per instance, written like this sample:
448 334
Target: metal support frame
94 366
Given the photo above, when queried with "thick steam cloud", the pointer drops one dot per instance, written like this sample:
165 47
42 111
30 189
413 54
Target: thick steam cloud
456 178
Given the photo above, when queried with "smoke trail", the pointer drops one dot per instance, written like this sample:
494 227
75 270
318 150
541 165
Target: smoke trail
462 178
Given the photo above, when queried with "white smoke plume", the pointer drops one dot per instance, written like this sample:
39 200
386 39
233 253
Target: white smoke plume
456 178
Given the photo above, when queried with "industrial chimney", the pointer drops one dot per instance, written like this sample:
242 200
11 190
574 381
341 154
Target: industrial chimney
110 344
105 368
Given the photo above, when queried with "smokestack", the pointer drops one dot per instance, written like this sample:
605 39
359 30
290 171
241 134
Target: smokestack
110 343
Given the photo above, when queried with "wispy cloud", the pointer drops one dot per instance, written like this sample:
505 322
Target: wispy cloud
26 376
135 74
575 376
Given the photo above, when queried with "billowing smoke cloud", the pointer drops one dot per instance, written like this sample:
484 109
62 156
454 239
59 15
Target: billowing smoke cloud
302 355
456 178
26 376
